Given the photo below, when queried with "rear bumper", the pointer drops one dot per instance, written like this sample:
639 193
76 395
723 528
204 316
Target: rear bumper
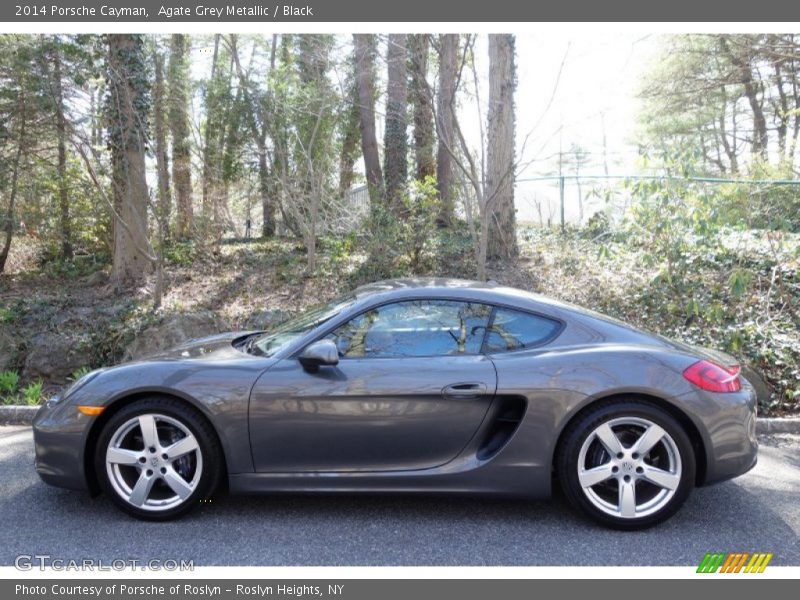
730 423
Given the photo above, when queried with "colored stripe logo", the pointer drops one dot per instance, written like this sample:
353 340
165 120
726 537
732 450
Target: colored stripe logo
734 562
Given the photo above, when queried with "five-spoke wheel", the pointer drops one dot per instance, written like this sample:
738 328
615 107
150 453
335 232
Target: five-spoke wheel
627 464
154 462
157 458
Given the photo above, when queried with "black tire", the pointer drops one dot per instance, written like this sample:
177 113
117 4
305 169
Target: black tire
581 429
211 462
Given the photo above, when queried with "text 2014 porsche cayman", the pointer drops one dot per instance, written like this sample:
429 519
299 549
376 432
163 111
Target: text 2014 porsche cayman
411 386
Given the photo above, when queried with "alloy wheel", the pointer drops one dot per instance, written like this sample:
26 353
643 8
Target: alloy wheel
629 467
154 462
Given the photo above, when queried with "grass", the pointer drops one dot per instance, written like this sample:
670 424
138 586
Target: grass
31 394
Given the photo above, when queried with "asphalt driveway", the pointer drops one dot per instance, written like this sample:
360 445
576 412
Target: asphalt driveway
757 512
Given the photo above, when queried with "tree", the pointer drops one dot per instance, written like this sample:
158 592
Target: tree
220 140
419 48
211 132
350 137
311 149
178 74
448 71
54 53
17 115
726 100
161 151
742 57
575 159
128 104
364 48
502 232
395 143
257 116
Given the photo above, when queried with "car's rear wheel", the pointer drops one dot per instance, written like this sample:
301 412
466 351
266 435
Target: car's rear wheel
157 458
627 464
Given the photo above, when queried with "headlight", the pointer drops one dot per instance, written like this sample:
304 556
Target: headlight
76 386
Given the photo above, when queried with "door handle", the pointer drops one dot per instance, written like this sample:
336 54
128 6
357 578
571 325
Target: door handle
468 389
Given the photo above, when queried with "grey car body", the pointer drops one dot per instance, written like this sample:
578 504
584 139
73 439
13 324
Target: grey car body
405 424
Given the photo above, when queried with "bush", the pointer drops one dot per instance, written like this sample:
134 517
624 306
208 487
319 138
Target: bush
32 393
9 380
78 373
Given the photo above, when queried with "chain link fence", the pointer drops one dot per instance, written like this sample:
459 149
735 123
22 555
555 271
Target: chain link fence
571 200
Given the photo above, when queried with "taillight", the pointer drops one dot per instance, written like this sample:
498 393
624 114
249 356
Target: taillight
712 377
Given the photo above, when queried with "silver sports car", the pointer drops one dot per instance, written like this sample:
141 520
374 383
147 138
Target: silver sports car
423 385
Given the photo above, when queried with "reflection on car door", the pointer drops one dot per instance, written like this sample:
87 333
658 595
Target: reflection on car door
410 390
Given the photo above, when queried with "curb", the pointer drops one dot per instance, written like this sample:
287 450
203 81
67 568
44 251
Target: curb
23 415
17 415
777 425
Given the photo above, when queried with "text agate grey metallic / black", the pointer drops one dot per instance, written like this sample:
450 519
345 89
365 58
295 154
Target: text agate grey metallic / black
423 385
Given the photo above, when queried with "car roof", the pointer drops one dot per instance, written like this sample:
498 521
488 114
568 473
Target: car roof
432 287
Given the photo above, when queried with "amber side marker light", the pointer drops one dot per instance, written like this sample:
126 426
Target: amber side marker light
91 411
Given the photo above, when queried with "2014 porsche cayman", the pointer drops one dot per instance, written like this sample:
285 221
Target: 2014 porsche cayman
419 385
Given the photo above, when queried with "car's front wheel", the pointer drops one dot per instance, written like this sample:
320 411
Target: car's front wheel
157 458
627 464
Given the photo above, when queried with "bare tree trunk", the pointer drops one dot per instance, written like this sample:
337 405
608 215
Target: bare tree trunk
95 130
502 238
225 145
179 128
8 225
128 115
730 151
448 70
784 112
61 134
395 142
364 46
419 47
161 154
209 139
255 112
760 135
349 143
795 83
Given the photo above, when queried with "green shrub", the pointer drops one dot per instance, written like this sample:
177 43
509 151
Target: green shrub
32 393
180 253
9 380
78 373
7 315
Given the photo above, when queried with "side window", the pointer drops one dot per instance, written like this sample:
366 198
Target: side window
513 330
414 328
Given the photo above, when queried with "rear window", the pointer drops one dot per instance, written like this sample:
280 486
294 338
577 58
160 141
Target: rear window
515 330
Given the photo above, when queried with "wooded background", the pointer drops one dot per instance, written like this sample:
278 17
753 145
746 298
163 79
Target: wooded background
310 163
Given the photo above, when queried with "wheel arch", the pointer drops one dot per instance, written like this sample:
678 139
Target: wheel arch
683 419
117 404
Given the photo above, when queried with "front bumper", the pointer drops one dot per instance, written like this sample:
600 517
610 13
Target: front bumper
59 437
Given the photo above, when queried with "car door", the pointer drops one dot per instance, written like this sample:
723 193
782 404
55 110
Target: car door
410 390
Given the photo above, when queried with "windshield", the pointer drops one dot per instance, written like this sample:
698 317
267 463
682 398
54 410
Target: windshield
268 344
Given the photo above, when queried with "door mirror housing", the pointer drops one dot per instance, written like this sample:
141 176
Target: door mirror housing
322 353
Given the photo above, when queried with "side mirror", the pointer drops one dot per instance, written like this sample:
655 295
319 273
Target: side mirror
322 353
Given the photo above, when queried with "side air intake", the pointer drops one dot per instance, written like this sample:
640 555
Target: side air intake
507 417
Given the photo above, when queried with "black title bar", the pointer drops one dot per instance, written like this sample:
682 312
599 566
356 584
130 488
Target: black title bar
434 11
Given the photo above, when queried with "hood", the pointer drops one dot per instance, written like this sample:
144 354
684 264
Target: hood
213 347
